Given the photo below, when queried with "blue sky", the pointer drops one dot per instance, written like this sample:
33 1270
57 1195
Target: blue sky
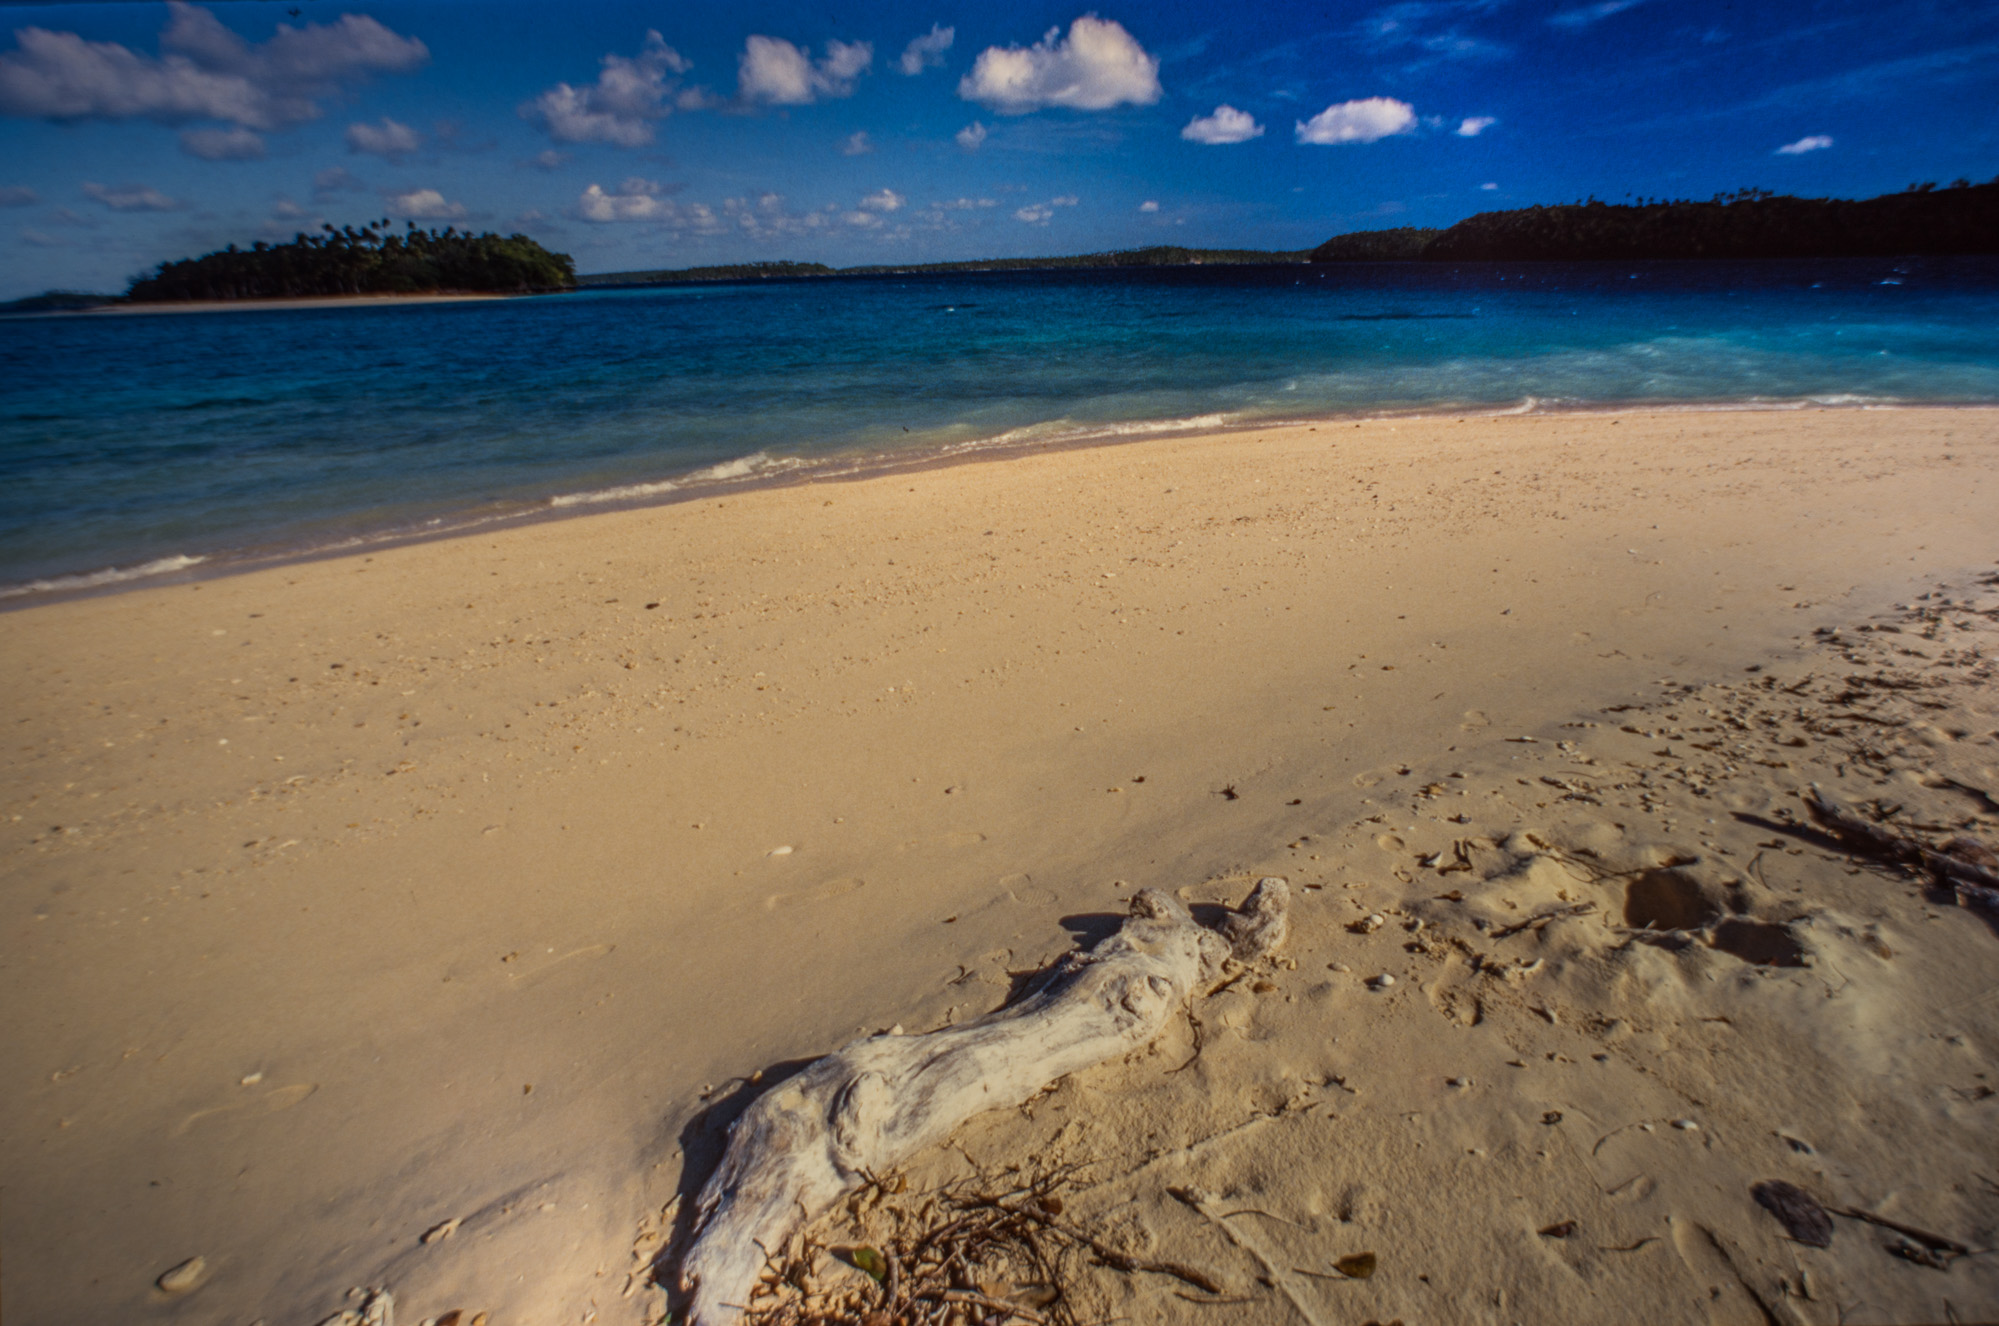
640 135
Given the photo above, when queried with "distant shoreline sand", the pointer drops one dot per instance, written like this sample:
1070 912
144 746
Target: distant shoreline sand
257 305
758 472
413 917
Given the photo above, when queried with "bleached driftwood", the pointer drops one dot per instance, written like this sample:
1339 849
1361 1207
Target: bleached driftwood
816 1137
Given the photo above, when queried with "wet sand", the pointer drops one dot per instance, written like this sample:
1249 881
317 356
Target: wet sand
460 881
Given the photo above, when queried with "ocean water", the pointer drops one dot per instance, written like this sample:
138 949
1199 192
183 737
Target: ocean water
134 446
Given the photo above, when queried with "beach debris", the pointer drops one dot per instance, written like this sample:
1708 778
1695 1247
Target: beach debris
1561 1229
1381 982
810 1140
376 1307
997 1245
1276 1272
1356 1265
1368 924
1916 1245
1976 884
1796 1210
184 1278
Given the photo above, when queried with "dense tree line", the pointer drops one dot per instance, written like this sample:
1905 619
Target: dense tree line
1751 223
1401 244
373 260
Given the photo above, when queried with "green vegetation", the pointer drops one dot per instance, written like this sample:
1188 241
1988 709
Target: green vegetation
1750 223
1160 256
57 301
742 271
370 261
1402 244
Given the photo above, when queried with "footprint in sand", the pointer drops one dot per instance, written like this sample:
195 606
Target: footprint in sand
831 889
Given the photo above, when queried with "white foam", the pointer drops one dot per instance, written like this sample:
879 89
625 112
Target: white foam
757 462
622 493
110 575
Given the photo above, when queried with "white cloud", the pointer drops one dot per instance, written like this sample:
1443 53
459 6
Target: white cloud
927 51
234 144
284 209
1097 66
1812 143
18 195
1034 216
388 139
635 200
1226 125
856 144
966 204
972 136
1149 205
424 205
1066 200
620 107
777 73
1489 187
1588 14
1474 125
883 200
132 198
1362 121
549 159
204 72
42 240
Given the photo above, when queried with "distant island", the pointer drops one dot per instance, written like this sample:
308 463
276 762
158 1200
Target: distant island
1750 223
373 260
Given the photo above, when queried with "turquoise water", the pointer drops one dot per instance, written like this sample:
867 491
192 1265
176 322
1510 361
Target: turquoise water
132 446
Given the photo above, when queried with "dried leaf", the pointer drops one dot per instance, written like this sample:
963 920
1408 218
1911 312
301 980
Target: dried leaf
1796 1210
871 1261
1356 1266
1561 1229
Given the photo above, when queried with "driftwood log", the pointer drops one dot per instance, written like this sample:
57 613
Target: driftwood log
1976 883
812 1139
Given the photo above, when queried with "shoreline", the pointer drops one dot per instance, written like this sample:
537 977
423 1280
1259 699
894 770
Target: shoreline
179 567
415 917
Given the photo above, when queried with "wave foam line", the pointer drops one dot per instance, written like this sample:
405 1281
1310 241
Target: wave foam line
110 575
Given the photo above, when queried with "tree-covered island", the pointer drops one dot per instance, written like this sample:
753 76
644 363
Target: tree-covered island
373 260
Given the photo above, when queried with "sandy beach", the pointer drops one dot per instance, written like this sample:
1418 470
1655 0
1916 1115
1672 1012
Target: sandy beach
415 920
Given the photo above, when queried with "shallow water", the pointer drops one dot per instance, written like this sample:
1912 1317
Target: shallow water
130 445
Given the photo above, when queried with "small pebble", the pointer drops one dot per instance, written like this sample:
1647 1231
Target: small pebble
1368 924
1381 982
1459 1082
1686 1125
780 851
184 1278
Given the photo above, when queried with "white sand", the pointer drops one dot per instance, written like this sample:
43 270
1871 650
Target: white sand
309 959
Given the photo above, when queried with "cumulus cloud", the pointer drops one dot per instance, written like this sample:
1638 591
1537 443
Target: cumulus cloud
1036 215
635 200
966 204
1226 125
284 209
18 195
424 205
234 144
388 139
927 51
1149 205
1097 66
1362 121
204 71
132 198
883 200
1811 143
548 159
631 92
1588 14
1066 200
1474 125
972 136
775 72
856 144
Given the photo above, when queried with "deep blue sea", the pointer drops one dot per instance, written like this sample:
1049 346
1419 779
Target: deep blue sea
140 445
